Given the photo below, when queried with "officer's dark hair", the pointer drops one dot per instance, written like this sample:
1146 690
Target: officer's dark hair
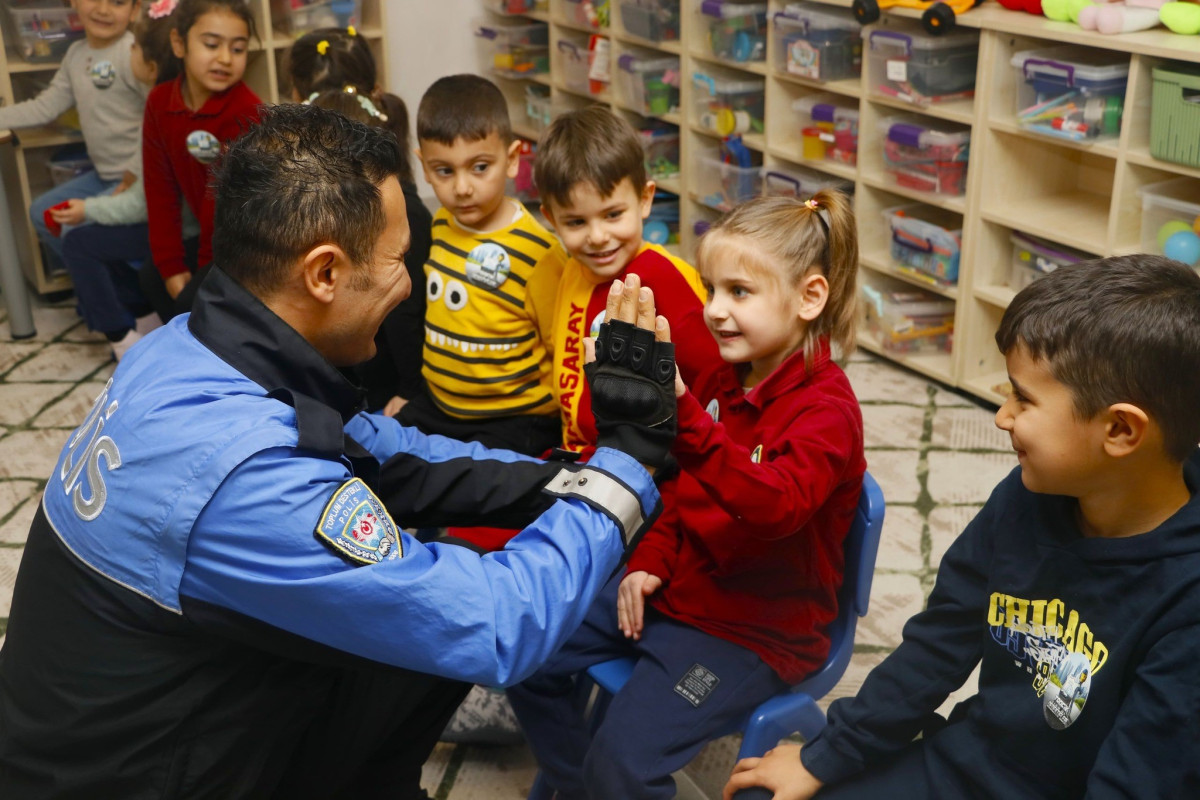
467 107
301 177
1124 329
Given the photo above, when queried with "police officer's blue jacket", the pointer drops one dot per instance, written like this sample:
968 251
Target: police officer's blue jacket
225 520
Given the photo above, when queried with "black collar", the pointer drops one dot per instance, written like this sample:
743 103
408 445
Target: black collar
252 339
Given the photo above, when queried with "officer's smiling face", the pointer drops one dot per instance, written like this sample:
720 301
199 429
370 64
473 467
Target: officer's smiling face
375 289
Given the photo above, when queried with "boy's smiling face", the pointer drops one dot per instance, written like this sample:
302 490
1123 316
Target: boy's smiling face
602 233
104 21
1059 452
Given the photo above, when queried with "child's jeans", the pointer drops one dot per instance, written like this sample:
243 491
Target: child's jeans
651 727
89 184
106 283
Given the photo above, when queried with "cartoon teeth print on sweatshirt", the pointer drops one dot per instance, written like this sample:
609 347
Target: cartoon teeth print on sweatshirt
1053 645
483 355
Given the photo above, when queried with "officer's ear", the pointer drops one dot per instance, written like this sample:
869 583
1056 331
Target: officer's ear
324 268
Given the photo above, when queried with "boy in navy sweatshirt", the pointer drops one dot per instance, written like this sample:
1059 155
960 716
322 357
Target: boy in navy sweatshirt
1076 588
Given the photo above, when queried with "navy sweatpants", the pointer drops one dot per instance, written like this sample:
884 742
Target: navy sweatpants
687 685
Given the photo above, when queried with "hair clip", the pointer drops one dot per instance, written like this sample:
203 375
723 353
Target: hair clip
350 31
322 47
162 8
811 204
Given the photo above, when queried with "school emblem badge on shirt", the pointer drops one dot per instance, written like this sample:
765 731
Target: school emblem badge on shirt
357 526
103 74
488 265
203 146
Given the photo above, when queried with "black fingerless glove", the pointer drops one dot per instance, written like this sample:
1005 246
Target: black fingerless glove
632 382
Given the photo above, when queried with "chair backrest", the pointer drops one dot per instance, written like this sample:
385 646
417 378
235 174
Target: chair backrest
861 547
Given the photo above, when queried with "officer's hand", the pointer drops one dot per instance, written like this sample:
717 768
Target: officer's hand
631 601
632 377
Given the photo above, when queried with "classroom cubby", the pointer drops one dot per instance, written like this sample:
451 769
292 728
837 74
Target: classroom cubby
1085 196
25 171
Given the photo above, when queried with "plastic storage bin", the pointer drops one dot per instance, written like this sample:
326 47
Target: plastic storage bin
661 144
573 65
44 33
512 6
298 17
908 320
538 107
818 42
523 186
799 182
725 106
68 162
656 20
921 69
926 242
1171 219
1175 114
1071 92
725 179
649 84
1033 257
518 50
830 129
592 13
662 226
924 158
736 30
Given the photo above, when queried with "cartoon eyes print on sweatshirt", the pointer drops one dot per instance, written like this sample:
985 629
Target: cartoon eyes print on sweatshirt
461 307
1053 645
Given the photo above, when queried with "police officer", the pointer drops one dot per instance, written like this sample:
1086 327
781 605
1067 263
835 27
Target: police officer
216 597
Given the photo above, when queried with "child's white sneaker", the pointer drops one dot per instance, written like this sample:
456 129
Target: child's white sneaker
121 346
144 325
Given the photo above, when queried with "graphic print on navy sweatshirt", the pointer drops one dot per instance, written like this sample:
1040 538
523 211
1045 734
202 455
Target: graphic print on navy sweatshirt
1055 646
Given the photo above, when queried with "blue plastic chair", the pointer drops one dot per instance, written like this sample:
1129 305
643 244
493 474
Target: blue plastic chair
796 710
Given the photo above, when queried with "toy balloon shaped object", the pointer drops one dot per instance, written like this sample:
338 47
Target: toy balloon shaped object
1183 246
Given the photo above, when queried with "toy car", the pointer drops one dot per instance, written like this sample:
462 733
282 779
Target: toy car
939 17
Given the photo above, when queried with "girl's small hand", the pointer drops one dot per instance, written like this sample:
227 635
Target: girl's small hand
175 283
631 601
71 215
127 180
629 302
779 770
393 406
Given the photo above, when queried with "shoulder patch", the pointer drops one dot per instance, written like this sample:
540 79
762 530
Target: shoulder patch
357 526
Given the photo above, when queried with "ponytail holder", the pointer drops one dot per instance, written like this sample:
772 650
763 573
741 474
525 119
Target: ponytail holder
350 31
322 47
822 213
811 204
162 8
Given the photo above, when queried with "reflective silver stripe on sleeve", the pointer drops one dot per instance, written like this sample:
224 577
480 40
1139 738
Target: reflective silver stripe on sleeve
604 493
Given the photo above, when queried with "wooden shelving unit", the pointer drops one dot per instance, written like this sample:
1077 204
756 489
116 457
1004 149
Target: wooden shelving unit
26 173
1080 194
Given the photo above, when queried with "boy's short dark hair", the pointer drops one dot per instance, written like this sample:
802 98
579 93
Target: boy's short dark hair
590 145
1124 329
302 176
466 107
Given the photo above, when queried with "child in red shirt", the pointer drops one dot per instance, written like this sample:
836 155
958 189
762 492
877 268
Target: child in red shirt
742 569
188 122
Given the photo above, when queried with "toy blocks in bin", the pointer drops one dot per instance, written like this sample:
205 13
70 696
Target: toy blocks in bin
727 106
1071 92
298 17
662 226
829 128
925 158
1175 114
661 144
1171 219
519 50
921 69
69 161
1033 257
649 84
907 321
925 242
592 13
45 31
728 176
655 20
818 42
737 30
799 182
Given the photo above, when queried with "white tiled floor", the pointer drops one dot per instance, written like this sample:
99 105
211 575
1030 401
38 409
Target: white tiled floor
935 453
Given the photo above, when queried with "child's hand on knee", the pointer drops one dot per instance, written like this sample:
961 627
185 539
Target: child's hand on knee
631 601
175 283
780 770
70 214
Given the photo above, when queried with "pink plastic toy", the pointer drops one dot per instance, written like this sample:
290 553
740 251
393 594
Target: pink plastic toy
1114 18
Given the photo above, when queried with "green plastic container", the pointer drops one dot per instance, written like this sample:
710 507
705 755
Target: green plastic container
1175 115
